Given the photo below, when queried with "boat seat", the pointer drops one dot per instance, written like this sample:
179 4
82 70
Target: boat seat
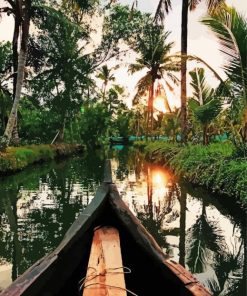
105 272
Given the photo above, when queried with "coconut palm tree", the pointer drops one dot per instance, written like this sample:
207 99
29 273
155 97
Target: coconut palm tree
105 74
231 29
154 53
164 7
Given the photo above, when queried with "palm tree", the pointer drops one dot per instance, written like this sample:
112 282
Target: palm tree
164 7
170 124
137 121
105 74
204 104
154 56
231 29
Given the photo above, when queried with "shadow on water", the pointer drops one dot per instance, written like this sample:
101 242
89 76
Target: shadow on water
193 226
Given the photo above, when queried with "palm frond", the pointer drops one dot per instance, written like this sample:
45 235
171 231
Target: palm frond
201 90
193 4
203 237
230 28
163 8
214 5
144 83
207 112
173 78
133 68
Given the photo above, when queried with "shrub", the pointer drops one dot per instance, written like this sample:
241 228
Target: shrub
17 158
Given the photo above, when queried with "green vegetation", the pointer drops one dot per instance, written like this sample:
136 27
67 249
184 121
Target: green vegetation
17 158
214 166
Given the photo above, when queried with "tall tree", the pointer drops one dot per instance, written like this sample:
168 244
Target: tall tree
164 7
5 75
155 56
14 8
25 24
62 84
231 29
105 74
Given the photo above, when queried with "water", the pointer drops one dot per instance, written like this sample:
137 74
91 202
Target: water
38 205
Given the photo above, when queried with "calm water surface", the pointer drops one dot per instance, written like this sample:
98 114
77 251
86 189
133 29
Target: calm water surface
37 207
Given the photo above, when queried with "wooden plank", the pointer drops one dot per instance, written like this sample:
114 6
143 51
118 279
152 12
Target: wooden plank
95 279
113 261
105 274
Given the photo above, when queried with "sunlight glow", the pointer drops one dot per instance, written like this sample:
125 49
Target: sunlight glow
159 104
159 178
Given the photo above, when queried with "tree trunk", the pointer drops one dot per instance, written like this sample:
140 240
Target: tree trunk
104 90
11 212
205 134
62 131
182 237
15 134
20 72
184 37
245 126
13 113
152 104
150 108
15 49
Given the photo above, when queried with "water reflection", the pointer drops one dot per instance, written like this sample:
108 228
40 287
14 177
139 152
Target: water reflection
190 224
38 206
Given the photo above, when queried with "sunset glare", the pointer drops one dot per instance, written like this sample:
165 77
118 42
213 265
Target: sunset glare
159 178
159 104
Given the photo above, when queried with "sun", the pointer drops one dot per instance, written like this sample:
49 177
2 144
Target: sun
159 178
159 104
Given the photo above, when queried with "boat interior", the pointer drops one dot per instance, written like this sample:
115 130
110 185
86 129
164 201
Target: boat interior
144 279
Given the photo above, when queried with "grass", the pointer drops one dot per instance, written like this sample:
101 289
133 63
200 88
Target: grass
214 166
17 158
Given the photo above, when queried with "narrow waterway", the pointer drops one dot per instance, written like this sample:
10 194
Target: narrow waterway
38 205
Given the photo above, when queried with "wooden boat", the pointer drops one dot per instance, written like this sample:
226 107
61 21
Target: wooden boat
150 272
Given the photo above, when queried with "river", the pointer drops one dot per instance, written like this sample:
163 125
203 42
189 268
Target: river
202 231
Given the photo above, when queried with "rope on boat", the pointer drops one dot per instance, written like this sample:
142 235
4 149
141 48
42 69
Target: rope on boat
94 274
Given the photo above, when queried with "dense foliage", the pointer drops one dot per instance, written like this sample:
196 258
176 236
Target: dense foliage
17 158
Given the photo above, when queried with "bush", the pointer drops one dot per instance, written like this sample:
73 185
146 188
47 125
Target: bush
17 158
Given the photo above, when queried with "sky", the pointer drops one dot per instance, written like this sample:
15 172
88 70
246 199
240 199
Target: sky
201 42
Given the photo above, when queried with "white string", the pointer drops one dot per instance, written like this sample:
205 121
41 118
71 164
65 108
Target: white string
94 275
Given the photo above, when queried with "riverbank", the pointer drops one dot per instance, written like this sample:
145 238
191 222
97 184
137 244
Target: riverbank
216 166
17 158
